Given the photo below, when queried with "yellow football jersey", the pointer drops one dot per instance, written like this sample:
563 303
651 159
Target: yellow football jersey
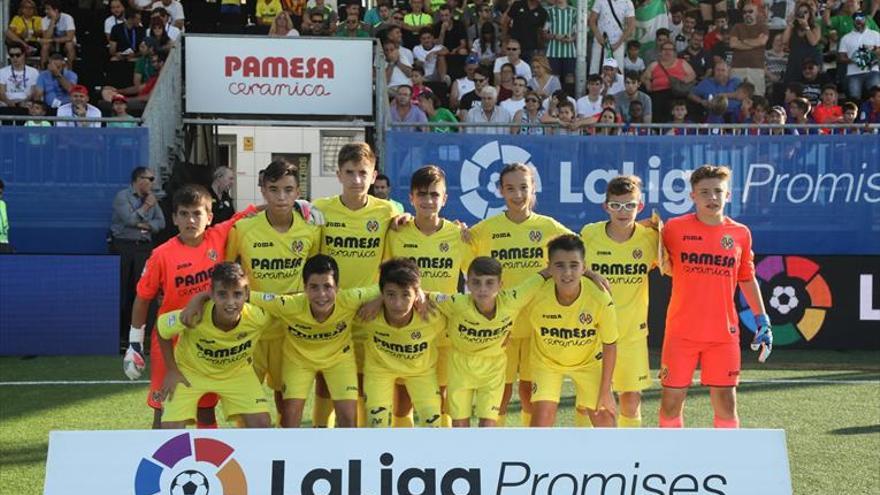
207 350
570 337
320 344
520 247
409 350
273 260
355 238
472 333
626 266
441 256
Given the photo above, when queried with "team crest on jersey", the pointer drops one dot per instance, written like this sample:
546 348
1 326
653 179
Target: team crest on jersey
535 235
372 225
416 335
442 298
732 330
241 335
212 255
172 320
268 297
637 254
585 318
297 246
340 326
727 241
444 247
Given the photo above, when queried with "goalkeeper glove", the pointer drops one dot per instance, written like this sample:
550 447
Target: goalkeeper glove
133 363
763 337
309 213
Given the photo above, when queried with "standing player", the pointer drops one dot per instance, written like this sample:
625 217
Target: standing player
710 256
517 238
272 248
401 346
575 335
178 269
436 245
624 252
215 357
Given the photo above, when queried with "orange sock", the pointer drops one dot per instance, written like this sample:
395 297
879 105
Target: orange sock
726 423
677 422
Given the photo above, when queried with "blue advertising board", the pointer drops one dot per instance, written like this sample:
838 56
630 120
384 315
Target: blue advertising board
798 194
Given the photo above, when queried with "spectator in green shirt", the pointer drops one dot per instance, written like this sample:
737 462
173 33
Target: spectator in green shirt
431 105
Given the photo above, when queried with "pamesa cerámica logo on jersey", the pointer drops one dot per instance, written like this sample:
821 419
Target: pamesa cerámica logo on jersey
190 466
480 190
796 295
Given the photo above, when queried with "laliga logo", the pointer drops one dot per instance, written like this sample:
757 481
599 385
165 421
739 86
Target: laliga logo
479 177
798 298
185 466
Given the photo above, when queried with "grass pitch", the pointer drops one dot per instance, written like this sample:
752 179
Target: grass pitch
828 403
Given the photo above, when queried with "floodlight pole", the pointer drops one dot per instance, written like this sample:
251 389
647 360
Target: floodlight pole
583 12
381 101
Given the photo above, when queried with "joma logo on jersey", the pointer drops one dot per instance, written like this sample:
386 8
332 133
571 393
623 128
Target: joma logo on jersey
708 259
535 235
727 241
181 266
410 246
275 263
372 225
603 253
620 268
692 238
352 242
400 348
336 224
518 253
198 278
263 244
222 353
568 333
552 317
500 235
436 263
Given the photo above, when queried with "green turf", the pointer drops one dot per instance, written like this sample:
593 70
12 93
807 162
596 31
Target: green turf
833 429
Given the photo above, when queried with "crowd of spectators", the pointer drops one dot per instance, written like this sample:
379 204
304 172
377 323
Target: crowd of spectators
500 61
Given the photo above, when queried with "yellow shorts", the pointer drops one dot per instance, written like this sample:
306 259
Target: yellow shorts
239 394
341 378
269 357
632 371
379 397
469 375
518 359
547 384
443 352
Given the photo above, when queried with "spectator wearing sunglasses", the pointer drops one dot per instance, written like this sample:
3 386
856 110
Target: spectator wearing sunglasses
17 80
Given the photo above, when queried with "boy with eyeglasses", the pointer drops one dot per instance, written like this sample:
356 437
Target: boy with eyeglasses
624 252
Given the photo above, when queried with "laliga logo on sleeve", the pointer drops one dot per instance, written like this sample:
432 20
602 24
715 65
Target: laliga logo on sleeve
480 173
185 466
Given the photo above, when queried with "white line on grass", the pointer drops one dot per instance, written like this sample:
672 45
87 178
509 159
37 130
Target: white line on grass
75 382
793 381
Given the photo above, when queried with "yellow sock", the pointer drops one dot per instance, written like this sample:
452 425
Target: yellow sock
445 421
526 418
402 421
361 413
322 412
582 420
502 421
627 422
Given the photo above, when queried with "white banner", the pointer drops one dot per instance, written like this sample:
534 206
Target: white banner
560 461
279 76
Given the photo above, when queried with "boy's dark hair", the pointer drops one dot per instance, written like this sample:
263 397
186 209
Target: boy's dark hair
484 265
2 185
55 4
660 32
748 87
418 67
278 169
623 184
131 13
849 106
356 152
829 86
594 78
760 101
320 264
802 103
227 273
567 104
566 242
632 76
137 172
191 195
399 271
383 177
426 30
677 103
633 44
424 177
796 88
710 172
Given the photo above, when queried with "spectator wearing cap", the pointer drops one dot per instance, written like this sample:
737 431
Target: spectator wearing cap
79 107
18 80
612 79
802 36
747 40
471 99
488 112
59 33
403 111
860 51
464 85
174 10
120 111
544 83
561 50
837 26
813 81
222 206
630 94
524 21
520 66
54 83
869 113
451 33
612 23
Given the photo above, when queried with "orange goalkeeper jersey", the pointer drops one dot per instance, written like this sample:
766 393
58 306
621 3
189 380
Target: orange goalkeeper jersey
708 261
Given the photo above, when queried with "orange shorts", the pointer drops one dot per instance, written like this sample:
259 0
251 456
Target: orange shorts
157 376
719 363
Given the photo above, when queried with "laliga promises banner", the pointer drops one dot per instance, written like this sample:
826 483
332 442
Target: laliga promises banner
278 76
419 462
798 194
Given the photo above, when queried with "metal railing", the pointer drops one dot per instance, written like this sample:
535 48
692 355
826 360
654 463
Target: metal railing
163 116
656 129
102 120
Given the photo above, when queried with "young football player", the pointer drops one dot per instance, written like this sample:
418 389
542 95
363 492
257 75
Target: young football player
214 357
178 269
710 255
624 252
575 335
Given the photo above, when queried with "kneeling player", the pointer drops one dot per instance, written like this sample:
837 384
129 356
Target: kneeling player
575 334
216 356
401 346
710 255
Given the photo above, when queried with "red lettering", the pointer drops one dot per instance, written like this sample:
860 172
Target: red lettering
274 67
325 69
280 68
232 65
251 67
296 67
